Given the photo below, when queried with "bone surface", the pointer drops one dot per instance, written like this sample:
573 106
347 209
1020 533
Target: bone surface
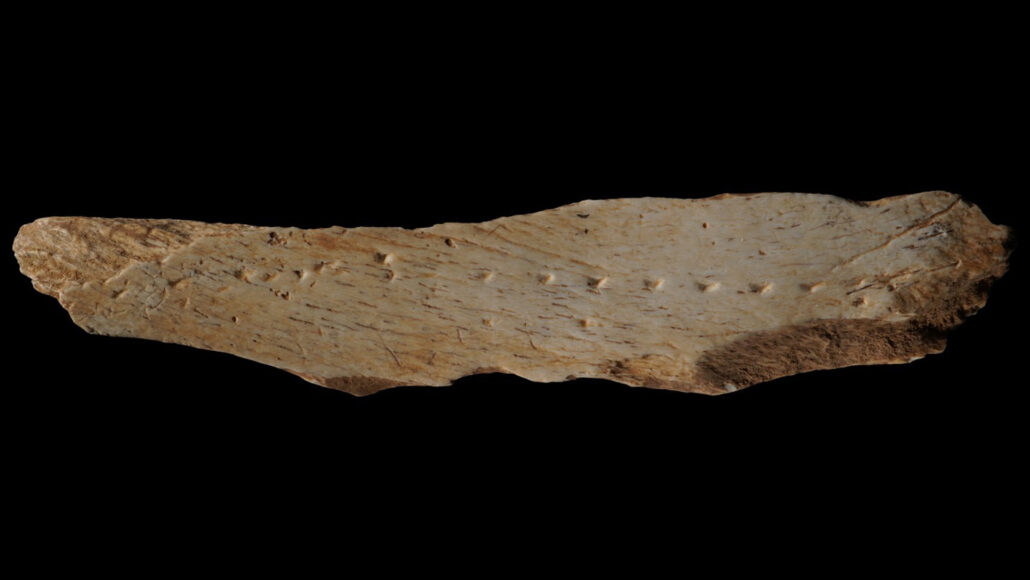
706 295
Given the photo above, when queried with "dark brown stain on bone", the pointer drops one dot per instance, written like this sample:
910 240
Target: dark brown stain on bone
824 344
936 305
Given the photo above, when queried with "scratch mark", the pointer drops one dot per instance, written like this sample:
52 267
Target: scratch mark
390 350
164 296
860 289
492 231
920 224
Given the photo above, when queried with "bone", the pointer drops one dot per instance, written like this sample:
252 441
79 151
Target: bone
699 295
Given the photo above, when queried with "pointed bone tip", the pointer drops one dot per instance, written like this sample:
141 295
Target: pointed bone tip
363 386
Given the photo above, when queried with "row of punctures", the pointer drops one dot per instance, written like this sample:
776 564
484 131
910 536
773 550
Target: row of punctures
599 282
594 283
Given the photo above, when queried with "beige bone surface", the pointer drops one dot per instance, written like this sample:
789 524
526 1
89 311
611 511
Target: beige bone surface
706 295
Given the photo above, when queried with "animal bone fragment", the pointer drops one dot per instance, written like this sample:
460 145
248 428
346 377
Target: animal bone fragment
705 295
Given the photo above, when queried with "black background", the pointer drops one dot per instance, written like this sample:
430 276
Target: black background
313 133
